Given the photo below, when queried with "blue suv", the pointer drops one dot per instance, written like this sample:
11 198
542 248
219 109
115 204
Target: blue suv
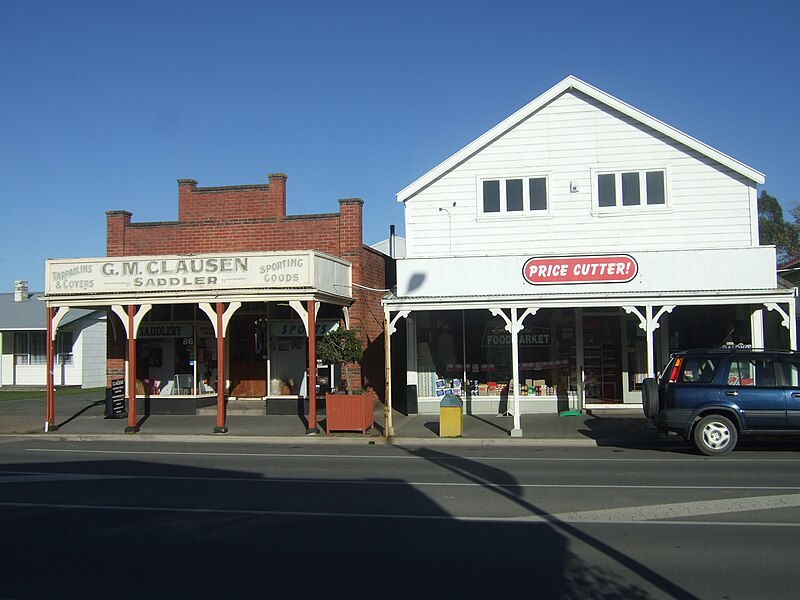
714 396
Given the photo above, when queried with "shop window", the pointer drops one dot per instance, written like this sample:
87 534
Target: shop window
440 362
637 354
281 310
629 189
175 358
183 312
477 363
159 312
287 355
514 195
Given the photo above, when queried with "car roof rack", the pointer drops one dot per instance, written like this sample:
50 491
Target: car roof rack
735 348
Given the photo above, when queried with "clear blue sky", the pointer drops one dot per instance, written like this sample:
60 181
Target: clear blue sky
105 104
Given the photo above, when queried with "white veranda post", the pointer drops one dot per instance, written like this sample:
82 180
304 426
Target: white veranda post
649 323
514 326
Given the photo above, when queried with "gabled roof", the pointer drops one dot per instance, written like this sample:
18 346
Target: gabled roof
568 84
31 314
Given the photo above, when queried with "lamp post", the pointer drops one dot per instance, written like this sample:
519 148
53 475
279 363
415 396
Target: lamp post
449 228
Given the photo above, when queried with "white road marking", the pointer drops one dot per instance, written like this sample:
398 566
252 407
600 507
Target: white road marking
55 477
661 512
29 476
436 457
566 518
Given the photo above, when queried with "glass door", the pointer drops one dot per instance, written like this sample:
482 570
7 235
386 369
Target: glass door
602 358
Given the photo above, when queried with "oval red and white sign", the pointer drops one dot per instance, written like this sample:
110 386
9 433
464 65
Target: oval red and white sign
619 268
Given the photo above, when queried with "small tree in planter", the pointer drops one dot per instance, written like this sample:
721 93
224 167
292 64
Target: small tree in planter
345 412
340 347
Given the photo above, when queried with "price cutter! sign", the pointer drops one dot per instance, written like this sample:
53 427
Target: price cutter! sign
619 268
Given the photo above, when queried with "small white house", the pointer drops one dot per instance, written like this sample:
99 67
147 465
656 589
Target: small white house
80 344
557 260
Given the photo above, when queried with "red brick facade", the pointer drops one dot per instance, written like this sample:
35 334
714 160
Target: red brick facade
252 218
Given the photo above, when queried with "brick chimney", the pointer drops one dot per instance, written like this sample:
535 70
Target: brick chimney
350 226
117 222
277 194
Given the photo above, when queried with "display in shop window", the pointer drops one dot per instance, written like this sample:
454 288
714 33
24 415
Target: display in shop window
546 361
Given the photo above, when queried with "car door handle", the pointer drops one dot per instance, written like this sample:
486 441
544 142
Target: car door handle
795 394
732 393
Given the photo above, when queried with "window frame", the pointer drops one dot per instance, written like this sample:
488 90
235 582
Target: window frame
755 370
65 343
526 211
619 206
34 341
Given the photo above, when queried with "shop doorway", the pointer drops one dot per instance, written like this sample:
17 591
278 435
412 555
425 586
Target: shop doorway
602 358
248 361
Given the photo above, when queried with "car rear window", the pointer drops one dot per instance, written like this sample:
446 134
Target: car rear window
697 369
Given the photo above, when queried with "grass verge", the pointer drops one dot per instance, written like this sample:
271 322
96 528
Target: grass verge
40 393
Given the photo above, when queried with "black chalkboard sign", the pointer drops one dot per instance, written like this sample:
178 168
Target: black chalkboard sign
117 397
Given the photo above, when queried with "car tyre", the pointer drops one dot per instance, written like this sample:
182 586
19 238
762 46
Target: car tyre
715 435
650 397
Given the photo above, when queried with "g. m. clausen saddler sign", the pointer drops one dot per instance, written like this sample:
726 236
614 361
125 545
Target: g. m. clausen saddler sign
159 273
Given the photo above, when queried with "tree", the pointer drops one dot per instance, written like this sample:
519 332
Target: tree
773 230
340 346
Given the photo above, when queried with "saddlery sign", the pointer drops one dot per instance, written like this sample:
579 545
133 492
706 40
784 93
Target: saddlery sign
184 273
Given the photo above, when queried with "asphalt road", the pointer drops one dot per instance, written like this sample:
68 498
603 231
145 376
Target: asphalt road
141 519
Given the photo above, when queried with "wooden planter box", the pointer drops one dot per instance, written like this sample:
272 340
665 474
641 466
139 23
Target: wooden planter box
349 412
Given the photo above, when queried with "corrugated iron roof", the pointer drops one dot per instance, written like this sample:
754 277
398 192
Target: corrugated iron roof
31 314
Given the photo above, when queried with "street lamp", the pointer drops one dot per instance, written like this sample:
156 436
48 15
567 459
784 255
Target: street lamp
449 228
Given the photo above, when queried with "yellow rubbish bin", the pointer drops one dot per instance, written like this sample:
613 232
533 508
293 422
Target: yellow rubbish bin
451 421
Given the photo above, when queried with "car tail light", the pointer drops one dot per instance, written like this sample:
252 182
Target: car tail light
676 369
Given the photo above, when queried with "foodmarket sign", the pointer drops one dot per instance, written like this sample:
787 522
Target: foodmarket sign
186 273
619 268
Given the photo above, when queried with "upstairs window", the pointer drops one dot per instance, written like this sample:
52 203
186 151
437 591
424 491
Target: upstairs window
491 196
514 195
625 189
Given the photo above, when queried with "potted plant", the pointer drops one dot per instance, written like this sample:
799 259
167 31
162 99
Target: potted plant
351 410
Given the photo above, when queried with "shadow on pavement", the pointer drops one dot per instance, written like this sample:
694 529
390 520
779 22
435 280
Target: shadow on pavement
137 529
583 582
83 410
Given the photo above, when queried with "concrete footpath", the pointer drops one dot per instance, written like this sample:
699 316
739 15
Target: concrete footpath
82 416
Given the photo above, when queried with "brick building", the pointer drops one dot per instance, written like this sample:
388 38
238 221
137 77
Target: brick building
234 262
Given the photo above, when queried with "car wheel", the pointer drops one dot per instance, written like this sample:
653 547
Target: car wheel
715 435
650 397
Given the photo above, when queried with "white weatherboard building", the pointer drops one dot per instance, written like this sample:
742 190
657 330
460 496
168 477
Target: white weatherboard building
558 259
80 346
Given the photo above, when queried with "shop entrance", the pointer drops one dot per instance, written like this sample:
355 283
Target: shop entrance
248 361
269 351
602 358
